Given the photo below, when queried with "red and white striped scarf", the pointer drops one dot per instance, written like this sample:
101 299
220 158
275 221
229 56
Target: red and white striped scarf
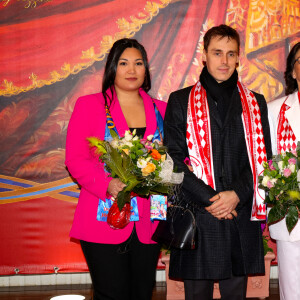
286 139
198 137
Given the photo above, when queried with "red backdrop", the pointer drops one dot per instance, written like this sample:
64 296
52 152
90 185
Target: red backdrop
52 52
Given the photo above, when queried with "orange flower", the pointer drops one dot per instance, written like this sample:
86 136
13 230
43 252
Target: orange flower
148 169
155 154
126 151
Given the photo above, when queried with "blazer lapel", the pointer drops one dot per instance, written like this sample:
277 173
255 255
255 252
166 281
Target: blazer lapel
120 121
151 123
117 116
293 114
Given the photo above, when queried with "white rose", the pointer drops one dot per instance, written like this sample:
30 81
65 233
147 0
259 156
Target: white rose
265 180
280 165
292 168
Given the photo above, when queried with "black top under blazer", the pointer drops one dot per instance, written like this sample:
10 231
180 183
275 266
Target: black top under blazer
224 247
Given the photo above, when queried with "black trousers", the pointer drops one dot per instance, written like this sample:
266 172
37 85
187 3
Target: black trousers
123 271
233 288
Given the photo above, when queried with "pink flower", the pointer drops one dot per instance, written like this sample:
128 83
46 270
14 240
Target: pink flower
270 184
287 172
187 161
294 152
292 161
270 163
148 146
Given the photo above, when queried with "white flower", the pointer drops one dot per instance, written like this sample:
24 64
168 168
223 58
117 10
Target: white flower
265 180
128 135
135 138
280 165
274 180
141 163
298 178
292 168
114 143
150 137
129 144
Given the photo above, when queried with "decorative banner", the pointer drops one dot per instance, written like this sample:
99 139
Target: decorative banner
53 51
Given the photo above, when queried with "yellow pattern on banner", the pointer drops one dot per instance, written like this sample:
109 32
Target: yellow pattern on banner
127 29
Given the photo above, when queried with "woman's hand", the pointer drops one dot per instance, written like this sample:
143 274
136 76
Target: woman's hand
115 186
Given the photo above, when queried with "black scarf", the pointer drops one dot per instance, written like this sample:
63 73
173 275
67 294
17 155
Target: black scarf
221 93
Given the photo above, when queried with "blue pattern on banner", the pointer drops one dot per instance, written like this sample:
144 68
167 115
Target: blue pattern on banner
71 194
5 190
40 192
12 182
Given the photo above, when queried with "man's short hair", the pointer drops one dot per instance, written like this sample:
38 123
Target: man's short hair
221 31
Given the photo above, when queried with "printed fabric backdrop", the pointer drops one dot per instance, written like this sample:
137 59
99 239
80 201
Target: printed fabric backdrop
53 51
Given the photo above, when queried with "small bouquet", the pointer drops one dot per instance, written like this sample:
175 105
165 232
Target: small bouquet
144 166
281 181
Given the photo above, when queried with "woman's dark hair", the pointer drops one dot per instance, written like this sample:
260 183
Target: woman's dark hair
112 62
290 82
221 31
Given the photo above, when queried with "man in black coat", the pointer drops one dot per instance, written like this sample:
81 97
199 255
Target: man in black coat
222 129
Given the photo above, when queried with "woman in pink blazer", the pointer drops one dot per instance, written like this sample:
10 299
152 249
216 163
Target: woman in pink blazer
122 262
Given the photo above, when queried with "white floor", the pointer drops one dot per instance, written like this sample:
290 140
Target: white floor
73 278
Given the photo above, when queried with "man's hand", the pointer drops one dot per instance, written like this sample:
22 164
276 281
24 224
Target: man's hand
224 205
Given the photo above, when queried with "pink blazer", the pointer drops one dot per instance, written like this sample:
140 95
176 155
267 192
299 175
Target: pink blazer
89 119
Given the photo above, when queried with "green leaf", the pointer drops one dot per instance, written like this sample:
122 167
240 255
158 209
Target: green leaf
142 190
271 196
160 189
113 134
95 142
291 218
266 246
117 162
122 198
276 214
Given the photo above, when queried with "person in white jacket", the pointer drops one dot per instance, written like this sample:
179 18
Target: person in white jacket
284 118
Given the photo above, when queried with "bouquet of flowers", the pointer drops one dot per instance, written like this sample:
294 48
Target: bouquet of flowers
144 166
281 181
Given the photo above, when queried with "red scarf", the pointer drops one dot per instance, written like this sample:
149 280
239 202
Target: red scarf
199 141
286 139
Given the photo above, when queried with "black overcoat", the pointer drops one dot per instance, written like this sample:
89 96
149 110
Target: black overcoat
224 247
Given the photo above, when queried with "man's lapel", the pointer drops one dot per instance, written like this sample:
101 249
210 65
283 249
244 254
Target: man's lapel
213 110
235 107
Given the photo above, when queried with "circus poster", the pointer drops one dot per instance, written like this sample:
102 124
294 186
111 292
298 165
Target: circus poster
54 51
